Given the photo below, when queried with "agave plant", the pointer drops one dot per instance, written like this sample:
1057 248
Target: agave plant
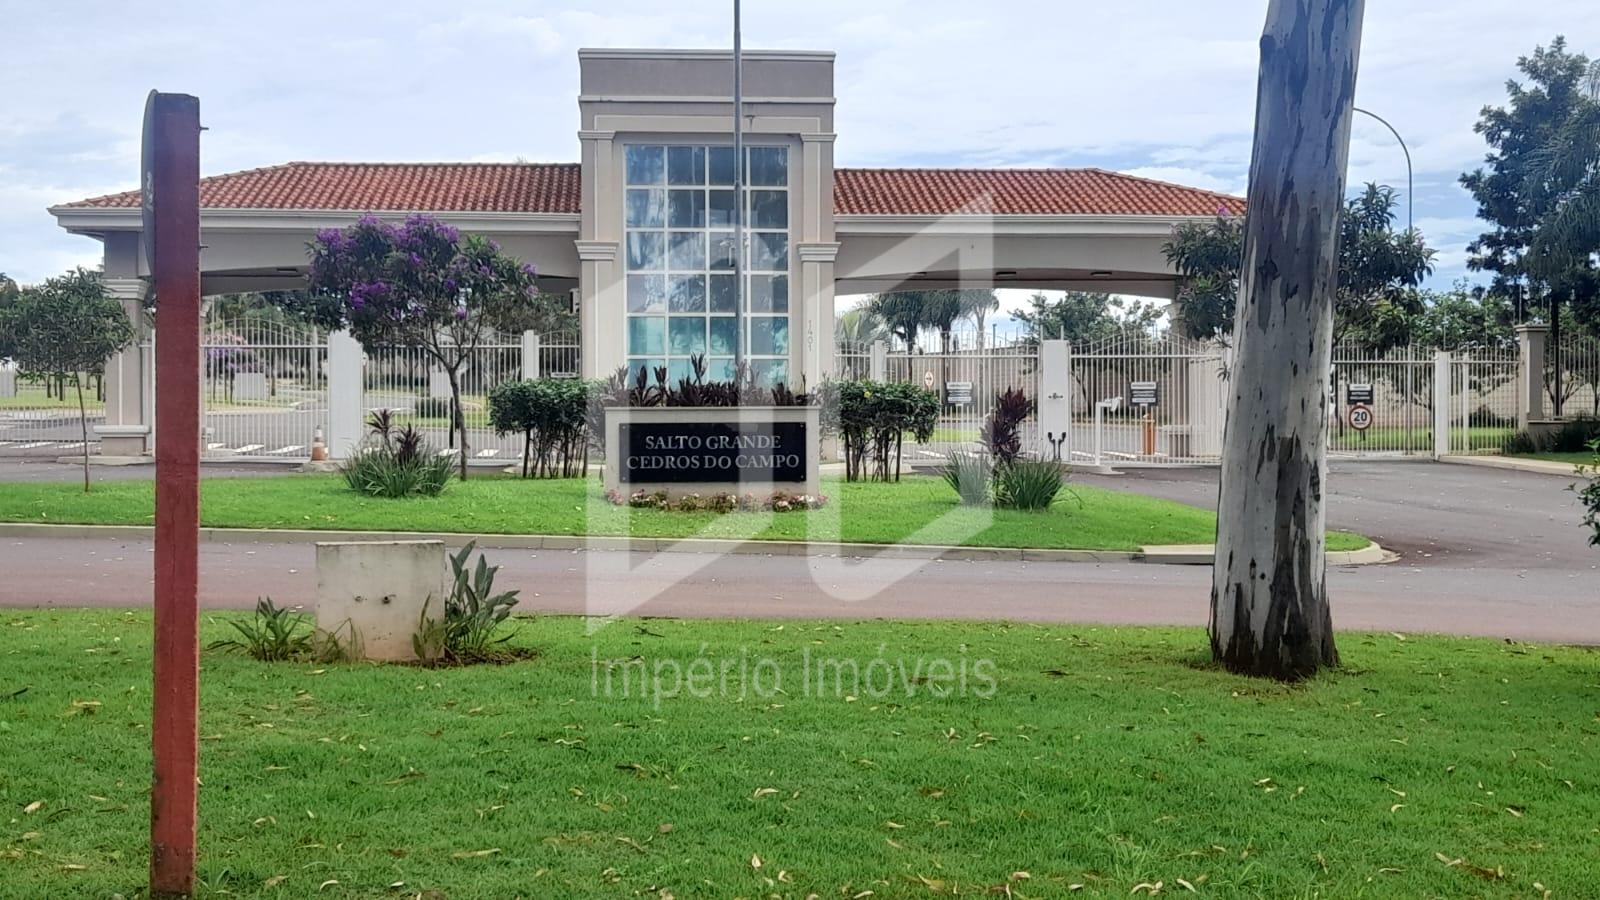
473 614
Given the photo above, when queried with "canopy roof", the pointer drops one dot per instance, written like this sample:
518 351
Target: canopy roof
556 188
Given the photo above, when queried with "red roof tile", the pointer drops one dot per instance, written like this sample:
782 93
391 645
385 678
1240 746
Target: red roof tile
386 187
555 188
1019 192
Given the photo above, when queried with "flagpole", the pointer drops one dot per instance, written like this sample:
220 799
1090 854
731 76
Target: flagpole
738 195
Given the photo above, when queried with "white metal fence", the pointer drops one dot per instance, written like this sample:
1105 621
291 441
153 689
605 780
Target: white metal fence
40 416
264 388
1161 399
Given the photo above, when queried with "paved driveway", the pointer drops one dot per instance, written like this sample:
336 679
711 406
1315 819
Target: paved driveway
1485 552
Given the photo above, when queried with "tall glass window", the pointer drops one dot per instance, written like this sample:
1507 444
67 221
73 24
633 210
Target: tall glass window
678 213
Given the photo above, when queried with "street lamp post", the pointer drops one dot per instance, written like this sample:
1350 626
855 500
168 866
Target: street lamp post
1410 194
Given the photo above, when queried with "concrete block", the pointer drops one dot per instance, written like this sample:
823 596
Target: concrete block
374 594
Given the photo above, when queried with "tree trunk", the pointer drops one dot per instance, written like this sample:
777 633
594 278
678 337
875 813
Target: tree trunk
458 419
83 423
1269 604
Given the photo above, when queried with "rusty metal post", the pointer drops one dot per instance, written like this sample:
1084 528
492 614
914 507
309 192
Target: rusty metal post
171 186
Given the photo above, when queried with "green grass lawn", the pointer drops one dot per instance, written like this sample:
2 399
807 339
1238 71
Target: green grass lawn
919 509
1103 757
1581 457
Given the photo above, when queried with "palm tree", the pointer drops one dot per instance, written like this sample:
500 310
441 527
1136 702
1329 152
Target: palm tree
860 326
976 305
902 312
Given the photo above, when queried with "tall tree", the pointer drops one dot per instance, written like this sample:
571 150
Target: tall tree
1084 317
1269 603
1379 270
8 297
1534 189
902 312
66 329
859 326
424 284
976 305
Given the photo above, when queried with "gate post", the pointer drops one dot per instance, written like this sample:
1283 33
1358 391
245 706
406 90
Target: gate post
530 355
1441 403
1055 398
345 394
129 426
878 364
1531 340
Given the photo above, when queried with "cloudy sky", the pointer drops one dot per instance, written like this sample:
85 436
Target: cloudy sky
1162 88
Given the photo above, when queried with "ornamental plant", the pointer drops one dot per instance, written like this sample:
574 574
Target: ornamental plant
552 415
425 284
873 418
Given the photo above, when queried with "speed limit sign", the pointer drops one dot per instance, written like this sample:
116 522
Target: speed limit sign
1360 417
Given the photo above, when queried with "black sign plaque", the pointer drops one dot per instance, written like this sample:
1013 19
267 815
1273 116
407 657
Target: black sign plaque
1358 393
711 452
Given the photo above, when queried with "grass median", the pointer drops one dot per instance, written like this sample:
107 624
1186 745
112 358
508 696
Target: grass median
979 759
917 510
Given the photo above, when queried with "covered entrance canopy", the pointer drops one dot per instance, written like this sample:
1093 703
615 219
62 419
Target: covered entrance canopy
611 229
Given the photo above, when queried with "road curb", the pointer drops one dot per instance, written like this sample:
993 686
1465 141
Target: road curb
1183 555
1541 466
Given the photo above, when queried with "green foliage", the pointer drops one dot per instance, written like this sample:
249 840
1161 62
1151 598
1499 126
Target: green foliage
1589 493
1574 436
1083 317
395 463
1028 484
906 313
66 329
1379 270
968 474
473 614
720 503
642 387
425 284
272 634
552 415
873 419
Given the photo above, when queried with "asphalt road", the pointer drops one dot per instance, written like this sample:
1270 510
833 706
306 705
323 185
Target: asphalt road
1484 552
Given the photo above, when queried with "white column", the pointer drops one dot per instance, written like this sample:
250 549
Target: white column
1441 403
878 363
1055 398
530 355
1531 341
603 320
812 356
345 394
129 426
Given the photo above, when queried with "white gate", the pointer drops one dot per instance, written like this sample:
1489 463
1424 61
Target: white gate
1161 395
1403 401
264 388
39 416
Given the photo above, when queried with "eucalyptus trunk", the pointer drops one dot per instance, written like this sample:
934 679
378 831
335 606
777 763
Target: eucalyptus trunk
1269 603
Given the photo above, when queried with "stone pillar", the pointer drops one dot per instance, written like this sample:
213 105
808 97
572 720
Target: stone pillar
1530 373
129 426
530 355
345 395
1055 398
1441 403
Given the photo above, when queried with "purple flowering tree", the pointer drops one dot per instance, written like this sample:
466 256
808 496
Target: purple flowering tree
425 284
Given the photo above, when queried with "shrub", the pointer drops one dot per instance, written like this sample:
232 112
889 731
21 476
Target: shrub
395 462
1030 484
969 475
1589 494
1002 429
552 415
873 419
271 635
649 387
473 614
1574 436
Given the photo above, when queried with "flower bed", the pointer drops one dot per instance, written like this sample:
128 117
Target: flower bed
723 502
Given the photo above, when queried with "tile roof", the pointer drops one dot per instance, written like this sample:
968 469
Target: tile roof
386 187
556 188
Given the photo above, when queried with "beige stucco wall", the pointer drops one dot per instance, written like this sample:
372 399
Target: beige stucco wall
667 96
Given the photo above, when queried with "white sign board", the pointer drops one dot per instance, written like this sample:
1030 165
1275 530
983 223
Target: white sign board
1142 393
1360 417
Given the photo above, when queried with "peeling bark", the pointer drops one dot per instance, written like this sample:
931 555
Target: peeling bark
1269 604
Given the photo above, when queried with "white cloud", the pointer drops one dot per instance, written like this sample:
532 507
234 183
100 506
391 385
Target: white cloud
1146 86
